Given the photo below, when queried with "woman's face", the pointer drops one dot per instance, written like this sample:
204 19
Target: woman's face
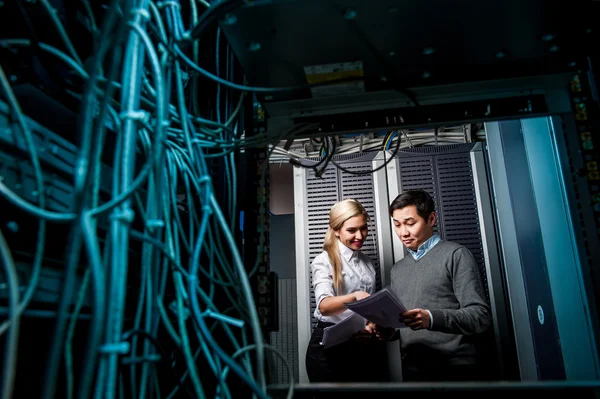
353 232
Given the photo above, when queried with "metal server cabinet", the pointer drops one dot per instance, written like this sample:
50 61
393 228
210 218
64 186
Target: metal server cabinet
313 197
456 177
542 245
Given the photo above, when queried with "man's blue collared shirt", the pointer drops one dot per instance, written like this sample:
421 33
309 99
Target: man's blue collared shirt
425 247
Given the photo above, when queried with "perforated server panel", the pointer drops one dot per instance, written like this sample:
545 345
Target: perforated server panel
445 172
456 177
313 197
337 185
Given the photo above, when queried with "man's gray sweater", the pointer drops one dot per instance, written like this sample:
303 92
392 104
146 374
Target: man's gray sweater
447 282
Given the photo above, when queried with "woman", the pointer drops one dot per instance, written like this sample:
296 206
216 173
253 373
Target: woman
340 274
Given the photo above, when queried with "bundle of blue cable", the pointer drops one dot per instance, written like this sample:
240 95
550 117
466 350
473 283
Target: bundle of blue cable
137 82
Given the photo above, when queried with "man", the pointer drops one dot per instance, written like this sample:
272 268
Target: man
439 281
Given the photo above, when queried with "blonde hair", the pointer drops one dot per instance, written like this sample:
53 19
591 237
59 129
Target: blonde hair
338 214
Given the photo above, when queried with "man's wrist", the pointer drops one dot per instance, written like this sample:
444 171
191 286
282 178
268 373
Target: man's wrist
430 319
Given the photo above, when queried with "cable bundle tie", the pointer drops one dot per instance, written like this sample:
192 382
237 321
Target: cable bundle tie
207 209
155 223
166 3
140 115
120 348
125 215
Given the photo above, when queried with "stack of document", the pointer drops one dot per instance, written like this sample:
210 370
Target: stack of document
343 331
382 308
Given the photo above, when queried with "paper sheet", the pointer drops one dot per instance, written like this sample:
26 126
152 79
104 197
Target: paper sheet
382 308
342 331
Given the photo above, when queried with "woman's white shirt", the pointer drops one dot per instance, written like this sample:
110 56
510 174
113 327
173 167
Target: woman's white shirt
358 274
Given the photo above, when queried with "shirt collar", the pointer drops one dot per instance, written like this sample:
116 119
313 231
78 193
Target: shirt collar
425 247
346 252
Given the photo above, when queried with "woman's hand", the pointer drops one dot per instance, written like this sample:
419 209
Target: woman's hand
334 305
384 333
367 333
358 295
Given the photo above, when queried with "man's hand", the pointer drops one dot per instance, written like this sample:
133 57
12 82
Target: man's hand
416 319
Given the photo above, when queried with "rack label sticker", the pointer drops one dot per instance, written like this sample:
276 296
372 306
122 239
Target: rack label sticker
330 72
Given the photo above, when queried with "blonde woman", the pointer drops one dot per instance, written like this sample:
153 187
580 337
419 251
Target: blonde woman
342 273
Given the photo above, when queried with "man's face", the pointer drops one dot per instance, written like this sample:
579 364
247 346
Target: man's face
353 232
411 228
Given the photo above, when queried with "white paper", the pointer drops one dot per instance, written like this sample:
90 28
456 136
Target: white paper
382 308
342 331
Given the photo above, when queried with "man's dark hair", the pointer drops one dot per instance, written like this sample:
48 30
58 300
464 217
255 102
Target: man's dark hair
419 198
